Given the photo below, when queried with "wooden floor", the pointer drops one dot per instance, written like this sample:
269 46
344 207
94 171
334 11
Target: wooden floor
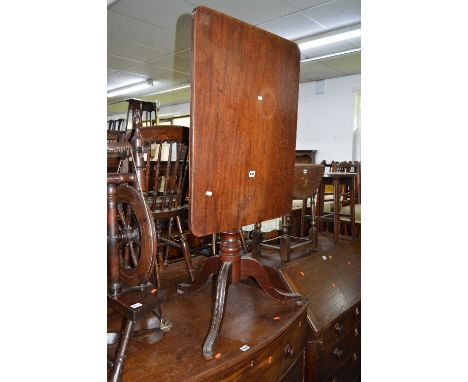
249 320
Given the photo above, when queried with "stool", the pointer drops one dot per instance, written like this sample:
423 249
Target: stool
337 180
307 178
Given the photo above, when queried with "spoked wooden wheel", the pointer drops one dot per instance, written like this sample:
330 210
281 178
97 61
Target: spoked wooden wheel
137 235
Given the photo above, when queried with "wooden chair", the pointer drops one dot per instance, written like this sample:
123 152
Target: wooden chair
307 178
145 111
355 168
164 167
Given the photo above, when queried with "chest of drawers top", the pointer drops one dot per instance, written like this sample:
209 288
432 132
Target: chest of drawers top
331 280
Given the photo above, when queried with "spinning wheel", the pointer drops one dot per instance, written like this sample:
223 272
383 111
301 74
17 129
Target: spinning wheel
137 236
131 252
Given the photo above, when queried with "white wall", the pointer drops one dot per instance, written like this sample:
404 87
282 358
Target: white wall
325 121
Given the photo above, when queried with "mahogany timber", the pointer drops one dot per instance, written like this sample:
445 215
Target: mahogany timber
331 280
245 84
275 332
244 93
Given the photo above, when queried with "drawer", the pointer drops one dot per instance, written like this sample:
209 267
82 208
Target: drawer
341 327
273 362
332 356
350 370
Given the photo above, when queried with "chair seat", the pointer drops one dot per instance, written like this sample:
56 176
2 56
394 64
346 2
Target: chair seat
347 210
267 226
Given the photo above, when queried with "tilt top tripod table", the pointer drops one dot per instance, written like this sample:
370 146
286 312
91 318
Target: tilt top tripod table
244 92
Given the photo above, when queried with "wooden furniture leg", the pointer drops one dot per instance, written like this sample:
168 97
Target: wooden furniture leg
185 250
313 232
320 205
244 244
210 267
352 208
231 268
117 366
285 240
218 312
336 211
256 239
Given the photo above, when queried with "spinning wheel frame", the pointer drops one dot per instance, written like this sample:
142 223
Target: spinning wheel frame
146 231
135 227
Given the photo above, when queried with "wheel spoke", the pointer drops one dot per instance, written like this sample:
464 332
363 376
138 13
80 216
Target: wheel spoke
129 214
127 256
121 214
134 257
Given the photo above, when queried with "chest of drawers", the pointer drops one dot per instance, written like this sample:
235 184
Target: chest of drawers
331 282
281 361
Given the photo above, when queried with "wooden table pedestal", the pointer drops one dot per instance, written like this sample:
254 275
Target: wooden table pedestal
230 267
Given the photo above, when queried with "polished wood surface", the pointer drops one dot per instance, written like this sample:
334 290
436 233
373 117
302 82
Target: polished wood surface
244 96
305 156
307 178
241 151
331 280
275 332
166 179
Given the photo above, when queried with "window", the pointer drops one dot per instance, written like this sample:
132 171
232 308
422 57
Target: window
356 154
183 120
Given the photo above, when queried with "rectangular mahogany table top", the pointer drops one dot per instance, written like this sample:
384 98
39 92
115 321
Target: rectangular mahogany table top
244 93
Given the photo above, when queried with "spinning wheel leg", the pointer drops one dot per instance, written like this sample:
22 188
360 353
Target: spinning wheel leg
252 268
211 266
121 351
218 313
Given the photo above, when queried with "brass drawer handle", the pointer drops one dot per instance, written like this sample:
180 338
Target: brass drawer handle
356 312
289 351
338 353
338 328
356 332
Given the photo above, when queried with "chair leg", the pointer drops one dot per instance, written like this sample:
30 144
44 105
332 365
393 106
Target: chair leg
256 239
285 240
121 351
185 250
160 255
213 244
242 238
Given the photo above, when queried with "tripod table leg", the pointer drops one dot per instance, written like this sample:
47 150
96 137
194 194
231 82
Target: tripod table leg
221 292
252 268
211 266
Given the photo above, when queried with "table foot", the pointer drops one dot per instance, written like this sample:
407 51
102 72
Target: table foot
210 267
218 313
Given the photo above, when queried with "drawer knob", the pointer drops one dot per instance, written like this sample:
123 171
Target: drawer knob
356 332
357 311
337 353
338 328
289 350
355 357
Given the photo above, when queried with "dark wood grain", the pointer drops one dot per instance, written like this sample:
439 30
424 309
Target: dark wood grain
331 280
234 132
249 319
307 178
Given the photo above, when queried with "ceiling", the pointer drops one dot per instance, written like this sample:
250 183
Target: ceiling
150 39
